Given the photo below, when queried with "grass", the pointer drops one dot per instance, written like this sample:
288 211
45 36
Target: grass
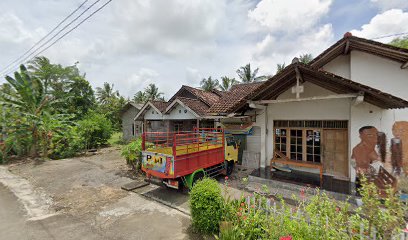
116 139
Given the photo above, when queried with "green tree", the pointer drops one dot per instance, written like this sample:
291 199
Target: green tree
152 93
305 58
400 42
247 75
209 84
64 83
105 93
140 97
227 83
30 101
280 67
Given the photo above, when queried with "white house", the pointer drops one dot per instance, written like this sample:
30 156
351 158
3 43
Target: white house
312 113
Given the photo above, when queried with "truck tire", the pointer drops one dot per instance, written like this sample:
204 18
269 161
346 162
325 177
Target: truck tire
197 176
230 167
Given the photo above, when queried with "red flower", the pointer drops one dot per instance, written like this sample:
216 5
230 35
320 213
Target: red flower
286 238
240 209
242 204
244 217
337 209
239 214
253 206
226 177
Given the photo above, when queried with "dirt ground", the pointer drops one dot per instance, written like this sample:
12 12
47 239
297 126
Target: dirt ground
88 190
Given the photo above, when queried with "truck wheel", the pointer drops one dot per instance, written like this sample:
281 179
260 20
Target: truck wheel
197 176
230 167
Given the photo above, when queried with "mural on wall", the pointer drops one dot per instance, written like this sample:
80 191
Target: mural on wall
373 153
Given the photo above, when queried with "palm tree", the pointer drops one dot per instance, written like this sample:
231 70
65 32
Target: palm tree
104 94
29 99
140 97
152 93
247 76
227 83
208 84
305 58
280 67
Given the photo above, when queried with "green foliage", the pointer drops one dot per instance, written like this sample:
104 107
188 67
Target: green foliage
305 58
206 205
133 153
400 42
116 139
247 75
150 93
227 83
209 84
67 145
320 217
95 129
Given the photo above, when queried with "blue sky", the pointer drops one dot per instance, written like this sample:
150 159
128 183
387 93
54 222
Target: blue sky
132 43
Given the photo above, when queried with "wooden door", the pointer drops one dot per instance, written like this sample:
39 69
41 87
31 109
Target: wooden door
335 153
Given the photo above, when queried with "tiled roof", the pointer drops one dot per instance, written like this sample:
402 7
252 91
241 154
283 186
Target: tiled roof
208 98
235 98
196 105
349 43
160 105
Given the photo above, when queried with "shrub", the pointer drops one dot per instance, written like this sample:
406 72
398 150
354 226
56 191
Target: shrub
67 145
96 130
132 153
206 205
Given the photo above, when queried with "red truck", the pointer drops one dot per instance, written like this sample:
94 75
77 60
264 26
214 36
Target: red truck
181 158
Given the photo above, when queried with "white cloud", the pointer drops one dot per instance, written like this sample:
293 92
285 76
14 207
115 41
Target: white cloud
289 16
387 23
139 80
390 4
291 28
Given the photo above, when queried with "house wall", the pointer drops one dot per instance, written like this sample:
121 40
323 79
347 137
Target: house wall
310 90
180 113
339 66
152 114
379 73
127 123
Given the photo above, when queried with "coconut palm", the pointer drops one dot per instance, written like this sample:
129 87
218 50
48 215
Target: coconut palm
227 83
105 93
140 97
280 67
208 84
305 58
247 75
152 93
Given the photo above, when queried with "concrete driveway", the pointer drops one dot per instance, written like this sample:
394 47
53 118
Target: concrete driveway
80 198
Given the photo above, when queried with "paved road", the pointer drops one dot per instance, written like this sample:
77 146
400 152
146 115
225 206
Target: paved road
12 221
14 224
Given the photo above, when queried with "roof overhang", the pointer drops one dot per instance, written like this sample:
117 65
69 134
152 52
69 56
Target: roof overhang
348 43
178 101
144 109
339 85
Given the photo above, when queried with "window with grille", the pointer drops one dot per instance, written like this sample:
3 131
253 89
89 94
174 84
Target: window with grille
329 124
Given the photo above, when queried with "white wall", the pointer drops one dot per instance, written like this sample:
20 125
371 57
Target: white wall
178 113
379 73
152 114
339 66
366 114
310 90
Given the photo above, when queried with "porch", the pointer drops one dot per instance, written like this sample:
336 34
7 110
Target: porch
294 181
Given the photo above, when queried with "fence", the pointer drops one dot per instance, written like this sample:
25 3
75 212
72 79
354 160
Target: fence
359 234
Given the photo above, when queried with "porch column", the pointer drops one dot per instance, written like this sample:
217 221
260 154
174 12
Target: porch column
198 123
264 127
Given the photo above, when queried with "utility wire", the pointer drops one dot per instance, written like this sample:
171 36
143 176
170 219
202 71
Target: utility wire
48 34
34 54
391 35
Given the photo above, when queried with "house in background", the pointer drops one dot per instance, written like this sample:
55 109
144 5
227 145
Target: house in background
184 111
317 114
130 128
